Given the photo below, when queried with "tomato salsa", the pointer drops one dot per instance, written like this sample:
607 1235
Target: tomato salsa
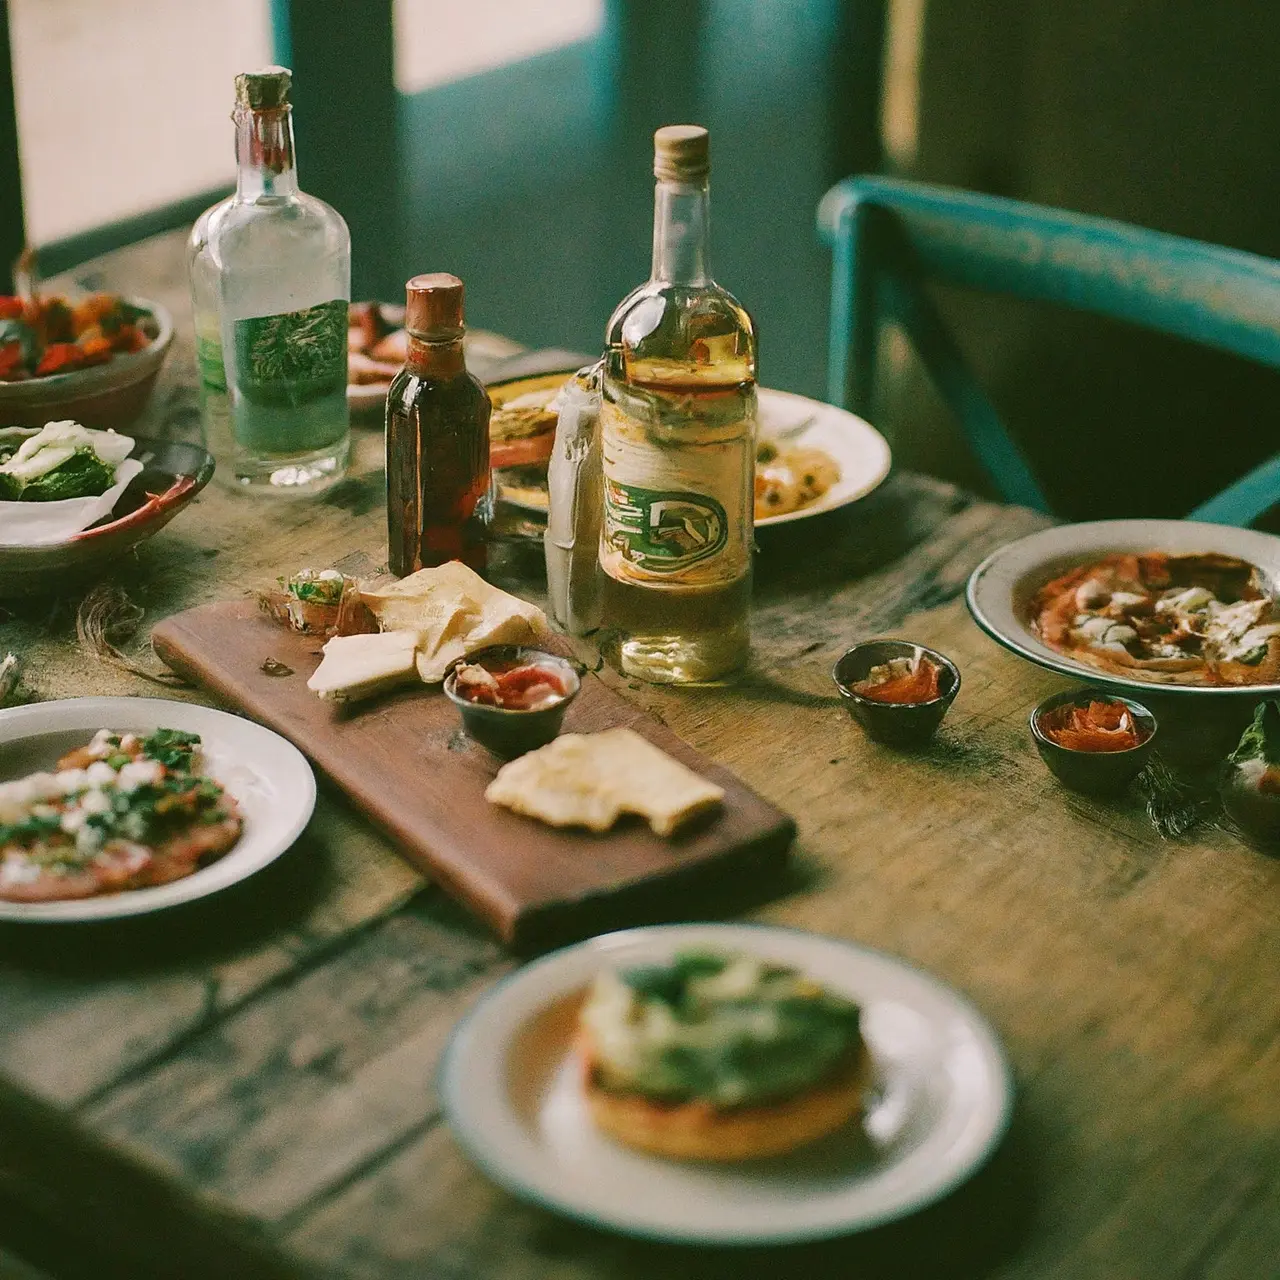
901 680
1096 726
511 686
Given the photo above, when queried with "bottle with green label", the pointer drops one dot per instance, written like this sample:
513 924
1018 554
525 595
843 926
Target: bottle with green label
270 283
677 435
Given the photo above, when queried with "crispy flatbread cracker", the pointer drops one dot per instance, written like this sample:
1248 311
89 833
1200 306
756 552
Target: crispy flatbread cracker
454 612
592 779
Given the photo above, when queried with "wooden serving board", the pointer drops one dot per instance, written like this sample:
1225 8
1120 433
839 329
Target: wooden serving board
405 762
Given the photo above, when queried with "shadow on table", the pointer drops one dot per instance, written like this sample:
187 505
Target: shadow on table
966 1236
838 546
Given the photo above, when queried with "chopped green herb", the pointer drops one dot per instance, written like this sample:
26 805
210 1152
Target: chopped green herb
1261 740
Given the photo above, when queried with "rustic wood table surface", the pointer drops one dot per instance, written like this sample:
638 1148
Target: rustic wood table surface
245 1088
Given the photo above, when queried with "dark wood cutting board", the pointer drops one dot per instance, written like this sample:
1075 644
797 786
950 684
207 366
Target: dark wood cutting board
405 762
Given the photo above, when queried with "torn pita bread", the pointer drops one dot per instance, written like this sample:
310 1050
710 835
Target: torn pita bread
592 779
453 612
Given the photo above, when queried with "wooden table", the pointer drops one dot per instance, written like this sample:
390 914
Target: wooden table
244 1088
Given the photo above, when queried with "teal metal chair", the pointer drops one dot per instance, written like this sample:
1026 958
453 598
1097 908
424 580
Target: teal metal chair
890 236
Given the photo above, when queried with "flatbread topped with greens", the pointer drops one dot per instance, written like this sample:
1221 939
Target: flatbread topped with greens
123 812
1195 619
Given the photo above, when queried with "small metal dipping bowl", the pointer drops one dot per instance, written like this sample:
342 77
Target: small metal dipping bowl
900 724
1095 772
506 731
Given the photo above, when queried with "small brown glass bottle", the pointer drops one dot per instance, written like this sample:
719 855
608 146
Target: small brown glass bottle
439 501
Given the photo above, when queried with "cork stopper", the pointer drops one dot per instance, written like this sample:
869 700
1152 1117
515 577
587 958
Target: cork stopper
681 153
433 307
263 90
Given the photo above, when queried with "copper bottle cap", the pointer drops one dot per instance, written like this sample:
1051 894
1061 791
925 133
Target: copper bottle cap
433 307
681 153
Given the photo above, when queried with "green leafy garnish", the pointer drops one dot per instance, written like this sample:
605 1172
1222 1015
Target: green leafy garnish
173 748
309 586
1261 740
83 475
669 982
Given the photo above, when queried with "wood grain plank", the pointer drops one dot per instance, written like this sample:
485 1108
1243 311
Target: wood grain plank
83 1008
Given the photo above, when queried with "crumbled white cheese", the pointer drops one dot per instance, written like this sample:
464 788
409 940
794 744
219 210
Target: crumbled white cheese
95 802
89 839
16 868
1126 599
100 774
140 773
1091 593
72 820
1192 600
102 744
72 780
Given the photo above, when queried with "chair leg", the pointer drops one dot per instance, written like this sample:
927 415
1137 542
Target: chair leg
999 456
854 324
1242 503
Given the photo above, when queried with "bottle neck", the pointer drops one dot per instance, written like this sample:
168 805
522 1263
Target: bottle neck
264 154
681 233
437 360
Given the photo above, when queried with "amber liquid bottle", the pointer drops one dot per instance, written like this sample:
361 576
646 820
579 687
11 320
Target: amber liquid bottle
439 500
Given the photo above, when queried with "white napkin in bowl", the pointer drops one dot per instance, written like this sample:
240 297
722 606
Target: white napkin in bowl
29 524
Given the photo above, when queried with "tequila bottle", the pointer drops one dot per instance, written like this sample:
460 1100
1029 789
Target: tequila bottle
677 424
270 283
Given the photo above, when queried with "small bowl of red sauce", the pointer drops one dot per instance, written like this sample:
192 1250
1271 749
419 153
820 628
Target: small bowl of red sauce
1093 740
511 698
897 690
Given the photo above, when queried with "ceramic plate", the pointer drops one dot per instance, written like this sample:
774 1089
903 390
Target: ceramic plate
268 776
859 450
511 1091
1002 586
172 474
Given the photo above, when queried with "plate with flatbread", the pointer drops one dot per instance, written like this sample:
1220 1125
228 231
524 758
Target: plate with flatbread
1148 606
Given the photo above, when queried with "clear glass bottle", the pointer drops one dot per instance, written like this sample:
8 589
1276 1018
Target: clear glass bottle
270 284
677 424
439 485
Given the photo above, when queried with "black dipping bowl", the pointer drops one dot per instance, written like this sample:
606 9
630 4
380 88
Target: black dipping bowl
507 732
1095 772
900 724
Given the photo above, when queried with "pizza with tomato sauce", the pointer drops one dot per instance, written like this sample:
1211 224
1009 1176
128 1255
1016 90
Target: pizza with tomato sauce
125 811
1193 619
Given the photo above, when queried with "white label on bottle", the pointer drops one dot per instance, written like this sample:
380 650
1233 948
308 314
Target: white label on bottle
675 510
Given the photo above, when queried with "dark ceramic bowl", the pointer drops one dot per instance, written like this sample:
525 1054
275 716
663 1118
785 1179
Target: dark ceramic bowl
901 724
507 732
1095 772
172 474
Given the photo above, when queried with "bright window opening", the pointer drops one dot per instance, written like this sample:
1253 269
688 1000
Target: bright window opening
438 41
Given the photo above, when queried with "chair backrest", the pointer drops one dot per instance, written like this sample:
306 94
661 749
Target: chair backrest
889 235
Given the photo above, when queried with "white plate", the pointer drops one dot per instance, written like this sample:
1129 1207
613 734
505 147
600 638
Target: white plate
269 778
859 450
1002 586
511 1090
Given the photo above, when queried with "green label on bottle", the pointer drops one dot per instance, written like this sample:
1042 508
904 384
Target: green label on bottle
293 358
661 530
213 373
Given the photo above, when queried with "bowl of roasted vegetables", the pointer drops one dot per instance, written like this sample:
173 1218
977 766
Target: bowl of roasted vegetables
94 360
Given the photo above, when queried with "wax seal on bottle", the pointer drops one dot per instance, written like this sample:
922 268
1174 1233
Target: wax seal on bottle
434 307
